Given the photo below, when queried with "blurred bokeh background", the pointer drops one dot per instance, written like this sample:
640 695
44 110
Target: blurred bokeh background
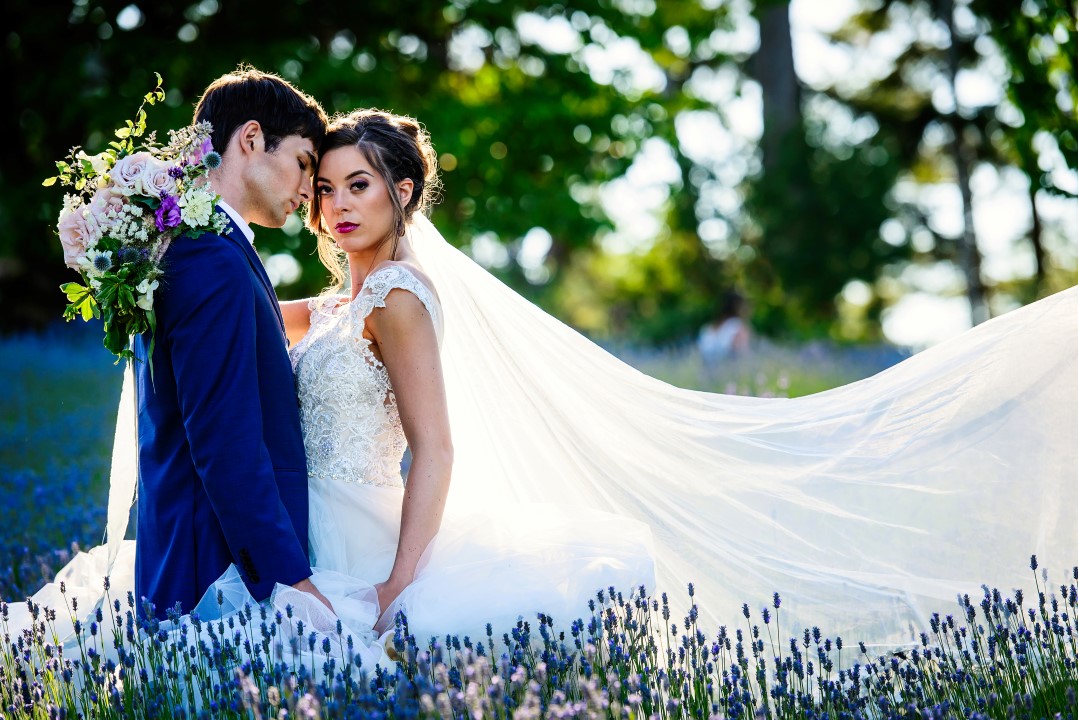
759 198
856 170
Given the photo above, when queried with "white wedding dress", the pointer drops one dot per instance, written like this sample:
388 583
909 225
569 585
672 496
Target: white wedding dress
866 507
488 564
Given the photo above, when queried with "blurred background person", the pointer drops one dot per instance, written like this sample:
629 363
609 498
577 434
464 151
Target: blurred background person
728 335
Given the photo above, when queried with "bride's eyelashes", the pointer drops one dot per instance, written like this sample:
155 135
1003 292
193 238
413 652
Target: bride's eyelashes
357 186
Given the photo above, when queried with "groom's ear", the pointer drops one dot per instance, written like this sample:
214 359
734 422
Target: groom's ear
249 139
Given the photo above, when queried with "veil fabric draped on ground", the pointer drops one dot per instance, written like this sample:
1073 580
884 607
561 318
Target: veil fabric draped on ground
866 507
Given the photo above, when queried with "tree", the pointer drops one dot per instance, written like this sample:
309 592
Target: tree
522 123
815 210
945 141
1038 44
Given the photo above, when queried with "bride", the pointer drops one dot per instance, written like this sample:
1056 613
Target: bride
370 382
544 469
866 507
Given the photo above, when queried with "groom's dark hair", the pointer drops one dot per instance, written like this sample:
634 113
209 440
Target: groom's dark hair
249 94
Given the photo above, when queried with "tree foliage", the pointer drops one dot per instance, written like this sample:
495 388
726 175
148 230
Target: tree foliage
534 106
523 129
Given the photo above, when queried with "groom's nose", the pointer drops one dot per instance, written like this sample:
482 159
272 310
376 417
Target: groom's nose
306 190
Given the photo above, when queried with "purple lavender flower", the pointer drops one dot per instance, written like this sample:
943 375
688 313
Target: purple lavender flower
168 213
176 171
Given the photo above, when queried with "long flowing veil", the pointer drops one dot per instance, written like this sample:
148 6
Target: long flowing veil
124 473
866 507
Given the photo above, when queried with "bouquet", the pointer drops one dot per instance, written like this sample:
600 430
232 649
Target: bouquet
128 204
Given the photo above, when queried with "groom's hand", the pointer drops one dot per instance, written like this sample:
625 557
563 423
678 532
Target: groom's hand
308 587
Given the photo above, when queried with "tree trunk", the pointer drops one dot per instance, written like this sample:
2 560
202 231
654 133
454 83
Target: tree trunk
969 254
773 68
1036 238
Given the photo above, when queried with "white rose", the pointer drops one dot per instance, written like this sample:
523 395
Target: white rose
145 289
127 174
156 181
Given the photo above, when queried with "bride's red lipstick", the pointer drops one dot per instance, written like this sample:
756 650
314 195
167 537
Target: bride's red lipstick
346 227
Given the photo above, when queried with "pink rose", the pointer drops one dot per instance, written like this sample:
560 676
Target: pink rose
105 199
79 228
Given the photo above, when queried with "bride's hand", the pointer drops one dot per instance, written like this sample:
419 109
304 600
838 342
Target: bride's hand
388 591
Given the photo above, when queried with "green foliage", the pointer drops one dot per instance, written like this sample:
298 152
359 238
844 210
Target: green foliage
1040 45
504 128
657 296
526 135
81 302
1036 41
816 218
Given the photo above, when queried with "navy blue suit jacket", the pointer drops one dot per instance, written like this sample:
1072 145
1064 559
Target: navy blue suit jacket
222 469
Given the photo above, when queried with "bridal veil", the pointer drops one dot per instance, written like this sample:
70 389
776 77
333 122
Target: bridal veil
866 507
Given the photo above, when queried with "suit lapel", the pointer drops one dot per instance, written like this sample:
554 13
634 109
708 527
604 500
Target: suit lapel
236 235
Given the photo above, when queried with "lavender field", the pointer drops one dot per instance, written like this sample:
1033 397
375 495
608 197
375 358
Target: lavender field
57 418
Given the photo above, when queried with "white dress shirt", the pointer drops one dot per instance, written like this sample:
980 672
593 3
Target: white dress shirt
240 222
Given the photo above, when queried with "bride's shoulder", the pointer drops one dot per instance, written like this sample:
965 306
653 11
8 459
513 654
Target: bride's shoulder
401 274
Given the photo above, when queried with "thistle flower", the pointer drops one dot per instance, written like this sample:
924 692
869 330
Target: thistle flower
97 262
128 255
212 160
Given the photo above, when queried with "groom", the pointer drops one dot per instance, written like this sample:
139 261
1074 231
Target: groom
222 469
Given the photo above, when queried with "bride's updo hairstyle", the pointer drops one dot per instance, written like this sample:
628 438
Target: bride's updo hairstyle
398 147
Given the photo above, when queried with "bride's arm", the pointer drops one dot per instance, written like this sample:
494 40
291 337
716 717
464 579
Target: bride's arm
297 318
405 336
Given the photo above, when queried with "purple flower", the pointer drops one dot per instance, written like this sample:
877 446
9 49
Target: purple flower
203 150
168 213
176 171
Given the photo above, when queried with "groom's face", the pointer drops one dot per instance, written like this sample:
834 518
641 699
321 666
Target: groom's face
279 181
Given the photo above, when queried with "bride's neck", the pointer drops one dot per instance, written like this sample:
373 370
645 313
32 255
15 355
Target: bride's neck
360 265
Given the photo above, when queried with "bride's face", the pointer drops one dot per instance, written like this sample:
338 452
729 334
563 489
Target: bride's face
356 205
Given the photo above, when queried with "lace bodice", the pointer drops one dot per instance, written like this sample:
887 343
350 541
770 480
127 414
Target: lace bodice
351 429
